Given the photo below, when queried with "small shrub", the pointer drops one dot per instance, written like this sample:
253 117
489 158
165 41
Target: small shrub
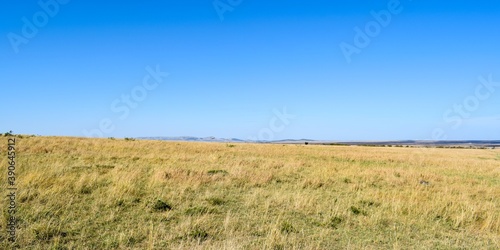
198 234
218 171
132 241
86 190
167 175
335 222
357 211
46 233
278 247
105 166
369 203
120 203
161 206
287 227
215 201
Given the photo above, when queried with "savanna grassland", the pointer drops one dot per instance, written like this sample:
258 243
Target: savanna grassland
77 193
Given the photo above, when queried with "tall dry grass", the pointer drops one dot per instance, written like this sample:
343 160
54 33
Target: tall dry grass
77 193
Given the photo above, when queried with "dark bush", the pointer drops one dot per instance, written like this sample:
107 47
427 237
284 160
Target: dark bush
161 206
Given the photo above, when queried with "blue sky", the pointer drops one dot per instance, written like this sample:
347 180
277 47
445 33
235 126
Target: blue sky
233 77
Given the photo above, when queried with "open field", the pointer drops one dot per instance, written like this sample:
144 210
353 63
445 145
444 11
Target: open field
115 194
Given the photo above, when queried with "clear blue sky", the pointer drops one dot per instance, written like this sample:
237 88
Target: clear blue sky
227 76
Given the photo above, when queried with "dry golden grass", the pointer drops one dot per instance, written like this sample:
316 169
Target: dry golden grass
113 194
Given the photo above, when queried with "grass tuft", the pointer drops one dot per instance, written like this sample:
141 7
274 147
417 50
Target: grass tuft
161 206
214 172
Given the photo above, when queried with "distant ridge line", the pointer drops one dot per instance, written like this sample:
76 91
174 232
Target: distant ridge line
485 143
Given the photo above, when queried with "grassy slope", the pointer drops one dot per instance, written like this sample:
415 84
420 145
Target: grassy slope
103 194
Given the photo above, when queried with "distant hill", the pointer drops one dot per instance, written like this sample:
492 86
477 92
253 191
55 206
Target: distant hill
457 143
192 138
